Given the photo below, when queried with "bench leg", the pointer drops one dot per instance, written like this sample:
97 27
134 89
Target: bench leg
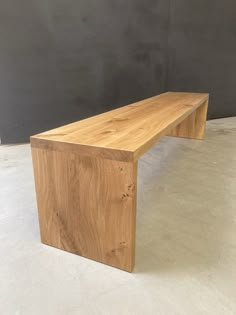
87 205
193 126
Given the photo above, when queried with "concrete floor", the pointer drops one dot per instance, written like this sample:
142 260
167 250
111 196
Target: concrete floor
186 238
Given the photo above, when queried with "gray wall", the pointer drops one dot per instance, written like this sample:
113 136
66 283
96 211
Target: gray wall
62 61
66 60
202 51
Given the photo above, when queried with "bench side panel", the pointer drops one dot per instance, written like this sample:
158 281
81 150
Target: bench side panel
193 126
87 206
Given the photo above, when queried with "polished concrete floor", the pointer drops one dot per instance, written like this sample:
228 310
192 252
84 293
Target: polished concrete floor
186 238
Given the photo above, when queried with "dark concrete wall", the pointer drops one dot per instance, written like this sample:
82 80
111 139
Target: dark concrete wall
202 52
66 60
62 61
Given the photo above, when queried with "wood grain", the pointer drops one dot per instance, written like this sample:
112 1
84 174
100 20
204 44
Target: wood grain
87 206
193 126
127 132
86 173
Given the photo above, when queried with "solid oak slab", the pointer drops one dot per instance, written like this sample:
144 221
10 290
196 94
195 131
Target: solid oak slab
193 126
86 173
127 132
87 205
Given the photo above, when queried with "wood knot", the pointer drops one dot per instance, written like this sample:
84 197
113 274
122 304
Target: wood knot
122 243
108 131
131 187
125 196
119 250
119 119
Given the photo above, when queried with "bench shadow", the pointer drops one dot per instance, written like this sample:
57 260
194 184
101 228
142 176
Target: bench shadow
182 215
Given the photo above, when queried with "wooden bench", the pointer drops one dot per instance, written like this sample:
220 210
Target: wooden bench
86 173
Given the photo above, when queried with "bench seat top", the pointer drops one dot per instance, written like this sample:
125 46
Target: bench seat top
126 132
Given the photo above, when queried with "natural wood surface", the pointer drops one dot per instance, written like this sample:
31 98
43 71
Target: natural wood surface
87 205
86 173
124 133
193 126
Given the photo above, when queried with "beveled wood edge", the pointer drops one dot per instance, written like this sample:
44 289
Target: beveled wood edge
110 153
81 149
